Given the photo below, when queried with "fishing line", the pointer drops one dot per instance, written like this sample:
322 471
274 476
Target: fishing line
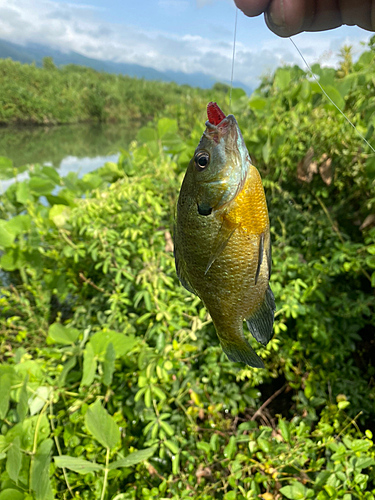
330 100
234 52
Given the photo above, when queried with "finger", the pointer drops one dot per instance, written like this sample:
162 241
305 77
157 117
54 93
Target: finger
252 7
360 12
326 16
289 17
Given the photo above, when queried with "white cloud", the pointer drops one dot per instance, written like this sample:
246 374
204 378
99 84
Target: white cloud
72 27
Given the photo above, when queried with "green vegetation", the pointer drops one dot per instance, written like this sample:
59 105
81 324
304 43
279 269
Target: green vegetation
73 94
113 384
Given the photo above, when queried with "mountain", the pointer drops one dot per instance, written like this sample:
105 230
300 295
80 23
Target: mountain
35 53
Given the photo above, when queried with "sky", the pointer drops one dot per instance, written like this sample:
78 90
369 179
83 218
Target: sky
180 35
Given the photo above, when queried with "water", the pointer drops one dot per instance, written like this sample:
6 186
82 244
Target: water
78 148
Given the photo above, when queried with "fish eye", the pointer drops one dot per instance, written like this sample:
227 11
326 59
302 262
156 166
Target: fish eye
202 160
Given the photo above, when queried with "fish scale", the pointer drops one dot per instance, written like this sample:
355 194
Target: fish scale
222 238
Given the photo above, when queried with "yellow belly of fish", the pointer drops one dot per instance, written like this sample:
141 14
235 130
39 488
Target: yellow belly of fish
249 209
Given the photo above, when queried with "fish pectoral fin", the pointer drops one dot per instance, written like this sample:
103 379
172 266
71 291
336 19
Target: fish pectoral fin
260 323
260 257
264 248
222 239
268 253
242 352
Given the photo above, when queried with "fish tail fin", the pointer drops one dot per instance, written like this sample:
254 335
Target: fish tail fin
260 323
240 350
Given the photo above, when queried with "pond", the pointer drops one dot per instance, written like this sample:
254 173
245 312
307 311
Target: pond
80 148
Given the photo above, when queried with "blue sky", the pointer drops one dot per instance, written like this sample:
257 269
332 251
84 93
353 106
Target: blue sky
182 35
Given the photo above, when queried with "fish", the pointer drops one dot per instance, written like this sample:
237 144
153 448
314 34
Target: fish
222 243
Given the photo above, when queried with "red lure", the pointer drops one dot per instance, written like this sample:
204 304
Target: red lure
214 113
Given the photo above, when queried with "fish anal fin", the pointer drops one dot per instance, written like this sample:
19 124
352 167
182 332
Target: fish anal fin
242 352
221 241
260 323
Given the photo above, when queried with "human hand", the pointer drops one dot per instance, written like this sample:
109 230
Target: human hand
289 17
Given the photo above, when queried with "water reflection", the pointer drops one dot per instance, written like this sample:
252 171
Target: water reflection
67 147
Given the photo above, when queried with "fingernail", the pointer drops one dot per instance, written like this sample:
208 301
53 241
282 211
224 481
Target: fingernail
276 23
275 20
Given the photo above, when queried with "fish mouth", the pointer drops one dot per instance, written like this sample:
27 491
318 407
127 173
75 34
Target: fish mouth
227 126
217 124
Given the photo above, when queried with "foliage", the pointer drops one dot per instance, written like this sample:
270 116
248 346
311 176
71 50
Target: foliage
72 94
113 383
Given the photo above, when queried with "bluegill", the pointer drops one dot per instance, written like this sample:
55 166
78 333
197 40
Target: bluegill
222 238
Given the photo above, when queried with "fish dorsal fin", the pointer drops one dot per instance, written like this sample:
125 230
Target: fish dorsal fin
222 238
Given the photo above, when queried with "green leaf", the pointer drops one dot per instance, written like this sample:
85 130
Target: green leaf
146 134
77 464
202 445
62 334
264 445
283 78
159 393
176 464
11 494
39 399
19 224
335 95
23 193
343 404
14 460
40 186
51 173
365 59
172 446
67 367
102 426
230 448
133 458
121 343
40 477
214 442
166 126
59 215
237 94
257 103
284 430
5 384
296 491
11 260
370 261
109 364
22 405
6 237
364 462
89 365
266 151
